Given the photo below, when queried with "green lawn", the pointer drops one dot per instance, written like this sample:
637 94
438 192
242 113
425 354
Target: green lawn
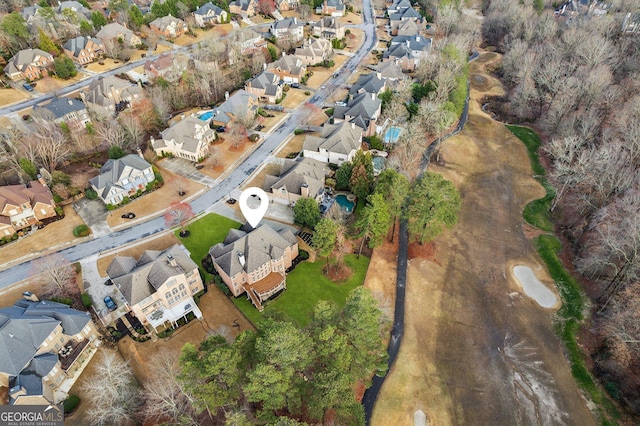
206 232
306 285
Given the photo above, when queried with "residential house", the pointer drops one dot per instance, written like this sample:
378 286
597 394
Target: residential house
314 51
29 64
74 7
398 6
209 14
22 206
328 27
255 262
241 104
362 110
30 14
189 139
368 83
631 23
72 112
122 177
288 28
266 86
248 40
159 286
408 54
168 65
338 143
297 179
408 14
417 43
107 95
244 8
289 69
83 49
168 27
408 28
390 72
286 5
116 33
332 8
42 347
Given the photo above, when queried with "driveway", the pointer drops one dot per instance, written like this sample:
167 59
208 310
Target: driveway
95 287
94 214
187 169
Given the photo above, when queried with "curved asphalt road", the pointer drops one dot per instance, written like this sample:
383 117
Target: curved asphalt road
135 233
371 394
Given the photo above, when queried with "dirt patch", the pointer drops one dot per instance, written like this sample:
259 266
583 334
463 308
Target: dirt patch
159 244
382 273
107 64
222 156
218 312
11 96
423 251
337 274
351 18
475 349
270 122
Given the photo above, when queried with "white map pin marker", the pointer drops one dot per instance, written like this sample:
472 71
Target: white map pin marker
253 216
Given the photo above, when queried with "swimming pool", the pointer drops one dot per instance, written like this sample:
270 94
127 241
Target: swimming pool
345 204
392 134
205 116
378 164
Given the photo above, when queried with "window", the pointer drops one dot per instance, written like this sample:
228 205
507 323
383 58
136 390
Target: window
174 291
181 287
167 295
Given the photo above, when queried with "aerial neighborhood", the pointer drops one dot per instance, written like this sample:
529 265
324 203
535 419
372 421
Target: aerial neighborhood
208 208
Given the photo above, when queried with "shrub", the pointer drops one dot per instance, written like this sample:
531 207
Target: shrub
71 403
168 332
329 112
64 300
59 211
28 167
307 93
81 231
116 152
197 296
90 194
86 300
303 254
298 131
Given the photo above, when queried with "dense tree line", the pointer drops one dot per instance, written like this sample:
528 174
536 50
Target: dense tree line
577 83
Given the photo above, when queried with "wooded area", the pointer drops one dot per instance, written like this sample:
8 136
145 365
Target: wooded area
577 83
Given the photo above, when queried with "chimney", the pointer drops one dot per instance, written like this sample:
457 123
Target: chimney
353 125
373 96
151 139
226 96
172 260
379 75
139 151
70 102
418 38
41 180
264 67
241 258
304 190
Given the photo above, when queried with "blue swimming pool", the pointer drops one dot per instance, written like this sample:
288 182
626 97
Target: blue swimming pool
345 204
207 115
392 134
378 164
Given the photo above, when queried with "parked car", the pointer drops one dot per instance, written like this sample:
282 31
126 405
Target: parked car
28 87
111 305
108 282
221 129
295 85
341 103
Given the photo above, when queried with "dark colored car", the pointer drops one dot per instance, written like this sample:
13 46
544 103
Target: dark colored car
128 216
111 305
108 282
28 87
295 85
220 129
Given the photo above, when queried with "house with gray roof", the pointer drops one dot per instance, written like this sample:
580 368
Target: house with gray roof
368 83
408 14
159 287
328 27
255 263
30 13
404 55
209 14
42 345
390 72
362 110
288 28
240 104
83 49
303 178
70 111
408 28
398 6
331 8
288 68
337 144
266 86
75 7
189 138
108 95
314 51
416 43
112 33
122 177
244 8
168 27
29 64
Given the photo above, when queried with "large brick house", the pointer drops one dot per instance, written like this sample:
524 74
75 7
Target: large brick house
122 178
289 69
254 263
298 179
83 49
29 64
266 86
159 286
168 27
22 206
44 347
188 139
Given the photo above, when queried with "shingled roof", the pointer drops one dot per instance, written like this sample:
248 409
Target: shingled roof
258 247
266 81
370 83
113 171
341 138
60 107
16 195
295 174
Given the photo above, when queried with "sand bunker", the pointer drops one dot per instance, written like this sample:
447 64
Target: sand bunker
533 287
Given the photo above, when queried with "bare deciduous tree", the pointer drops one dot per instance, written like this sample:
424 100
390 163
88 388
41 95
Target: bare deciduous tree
56 275
133 128
51 144
113 133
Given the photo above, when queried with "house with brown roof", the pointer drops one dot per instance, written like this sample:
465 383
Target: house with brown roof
29 64
303 178
83 49
289 69
189 138
402 15
22 206
168 27
168 66
266 86
286 5
329 27
43 348
338 143
158 287
315 51
255 263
